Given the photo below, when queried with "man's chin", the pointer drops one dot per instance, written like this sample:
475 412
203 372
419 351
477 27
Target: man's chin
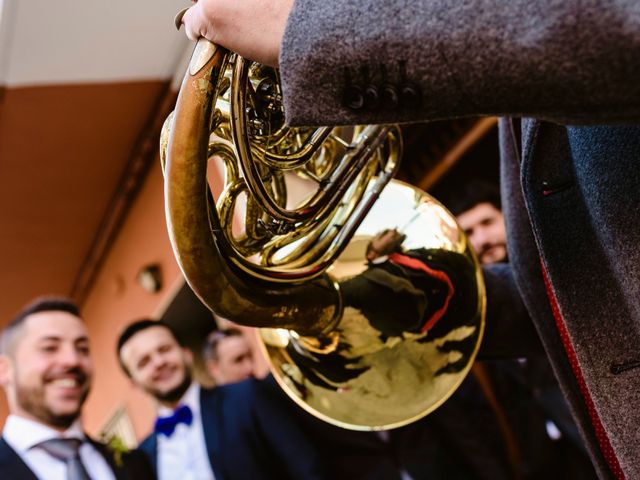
173 394
63 421
494 255
60 416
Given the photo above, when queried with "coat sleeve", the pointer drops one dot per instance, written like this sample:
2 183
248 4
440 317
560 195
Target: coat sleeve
571 61
293 449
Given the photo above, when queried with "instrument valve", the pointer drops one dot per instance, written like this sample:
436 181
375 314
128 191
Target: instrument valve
257 125
268 91
276 227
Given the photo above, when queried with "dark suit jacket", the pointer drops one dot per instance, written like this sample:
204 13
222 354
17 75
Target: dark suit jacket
250 435
459 441
571 189
133 466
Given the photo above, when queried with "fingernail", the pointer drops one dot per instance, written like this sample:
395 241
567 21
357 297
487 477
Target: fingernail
178 19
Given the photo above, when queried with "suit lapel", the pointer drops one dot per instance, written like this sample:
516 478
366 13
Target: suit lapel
212 424
11 465
107 454
151 449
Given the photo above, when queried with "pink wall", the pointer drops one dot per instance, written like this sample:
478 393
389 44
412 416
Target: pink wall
117 299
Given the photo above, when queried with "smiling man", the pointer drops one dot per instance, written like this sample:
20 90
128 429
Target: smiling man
478 211
237 431
46 371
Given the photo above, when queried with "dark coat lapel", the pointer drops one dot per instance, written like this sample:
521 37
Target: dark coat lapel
150 448
132 465
107 454
212 425
211 413
11 465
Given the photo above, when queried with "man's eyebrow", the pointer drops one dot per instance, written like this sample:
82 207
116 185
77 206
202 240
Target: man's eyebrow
57 338
48 338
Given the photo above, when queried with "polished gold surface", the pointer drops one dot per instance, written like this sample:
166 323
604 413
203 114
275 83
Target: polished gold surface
368 378
374 346
263 272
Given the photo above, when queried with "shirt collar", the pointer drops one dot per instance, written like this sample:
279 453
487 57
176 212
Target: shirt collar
23 433
191 399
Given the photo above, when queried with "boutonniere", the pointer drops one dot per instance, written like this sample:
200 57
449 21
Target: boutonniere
117 448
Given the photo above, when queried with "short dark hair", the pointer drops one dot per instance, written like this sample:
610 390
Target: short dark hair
136 327
210 349
474 193
40 304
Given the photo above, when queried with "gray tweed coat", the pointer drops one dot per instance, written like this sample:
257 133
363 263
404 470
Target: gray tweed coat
571 181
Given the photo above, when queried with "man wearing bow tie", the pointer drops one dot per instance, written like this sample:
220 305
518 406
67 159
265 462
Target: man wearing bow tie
46 372
238 431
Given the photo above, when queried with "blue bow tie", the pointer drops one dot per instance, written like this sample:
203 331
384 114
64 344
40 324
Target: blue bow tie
166 425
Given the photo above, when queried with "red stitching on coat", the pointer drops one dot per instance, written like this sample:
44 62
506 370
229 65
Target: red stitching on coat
601 435
416 264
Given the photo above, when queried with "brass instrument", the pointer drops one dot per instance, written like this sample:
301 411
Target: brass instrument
281 268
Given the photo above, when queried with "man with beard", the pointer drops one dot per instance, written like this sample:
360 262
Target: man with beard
46 372
479 212
236 431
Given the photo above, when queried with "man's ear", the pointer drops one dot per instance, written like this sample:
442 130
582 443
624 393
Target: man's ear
188 355
212 369
6 370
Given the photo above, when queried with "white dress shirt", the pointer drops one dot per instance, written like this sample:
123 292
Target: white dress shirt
184 455
23 435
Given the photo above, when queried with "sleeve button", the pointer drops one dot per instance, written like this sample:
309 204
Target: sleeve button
371 97
389 96
410 96
353 98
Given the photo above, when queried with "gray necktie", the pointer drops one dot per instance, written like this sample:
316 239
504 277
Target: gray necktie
67 450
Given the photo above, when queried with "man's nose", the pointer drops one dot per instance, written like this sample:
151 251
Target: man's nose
247 365
158 360
481 237
69 355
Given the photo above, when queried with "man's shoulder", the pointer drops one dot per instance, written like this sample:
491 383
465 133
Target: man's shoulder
230 389
11 465
4 446
236 396
7 453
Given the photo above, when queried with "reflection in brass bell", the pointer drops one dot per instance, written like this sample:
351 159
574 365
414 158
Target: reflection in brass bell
411 326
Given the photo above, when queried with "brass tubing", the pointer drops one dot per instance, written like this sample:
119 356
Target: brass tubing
365 152
310 308
329 194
